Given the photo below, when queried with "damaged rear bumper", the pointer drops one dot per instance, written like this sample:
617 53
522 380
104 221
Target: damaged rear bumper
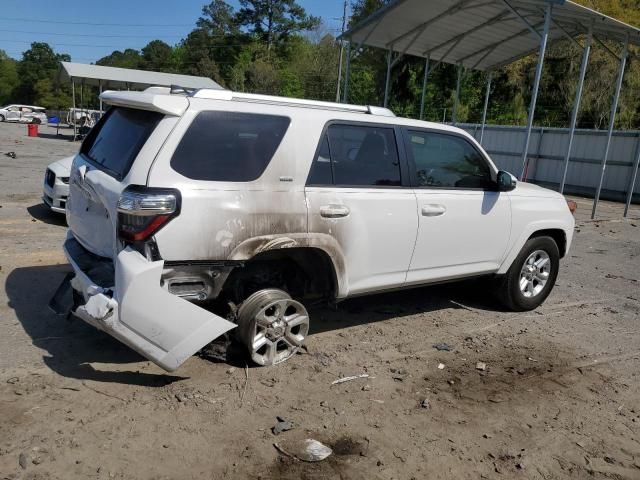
128 302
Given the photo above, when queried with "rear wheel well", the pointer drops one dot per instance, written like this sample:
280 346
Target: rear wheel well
557 235
302 272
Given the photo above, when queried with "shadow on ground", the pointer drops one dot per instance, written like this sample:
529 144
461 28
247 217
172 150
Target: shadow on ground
54 136
72 345
469 294
45 214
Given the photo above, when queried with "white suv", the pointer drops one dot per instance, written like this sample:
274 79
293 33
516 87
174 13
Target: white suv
187 203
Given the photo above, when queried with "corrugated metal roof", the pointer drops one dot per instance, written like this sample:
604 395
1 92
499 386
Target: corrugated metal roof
113 77
480 34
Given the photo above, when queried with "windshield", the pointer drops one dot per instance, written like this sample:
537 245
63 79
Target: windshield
115 141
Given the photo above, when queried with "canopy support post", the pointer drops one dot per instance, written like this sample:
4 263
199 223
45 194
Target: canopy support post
456 100
99 96
73 111
576 104
612 121
347 74
388 78
632 183
486 106
424 85
536 86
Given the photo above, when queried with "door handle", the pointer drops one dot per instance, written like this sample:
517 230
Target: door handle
334 211
433 210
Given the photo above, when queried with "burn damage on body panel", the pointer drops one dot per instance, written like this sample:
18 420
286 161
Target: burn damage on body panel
259 224
306 265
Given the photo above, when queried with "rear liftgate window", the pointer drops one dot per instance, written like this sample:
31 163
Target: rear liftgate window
115 141
229 146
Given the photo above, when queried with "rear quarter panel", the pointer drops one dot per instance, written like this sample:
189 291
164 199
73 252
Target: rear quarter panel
216 217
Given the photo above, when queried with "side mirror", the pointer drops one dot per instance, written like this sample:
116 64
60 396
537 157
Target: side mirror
506 181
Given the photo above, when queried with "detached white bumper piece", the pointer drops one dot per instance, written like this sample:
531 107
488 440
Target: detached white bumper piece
136 310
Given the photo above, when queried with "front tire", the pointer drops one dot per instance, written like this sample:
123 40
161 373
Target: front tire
2 118
532 275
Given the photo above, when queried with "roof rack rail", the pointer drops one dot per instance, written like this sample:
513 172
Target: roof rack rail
286 101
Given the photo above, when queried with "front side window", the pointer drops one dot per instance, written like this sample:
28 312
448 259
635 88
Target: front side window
447 161
114 143
357 155
229 146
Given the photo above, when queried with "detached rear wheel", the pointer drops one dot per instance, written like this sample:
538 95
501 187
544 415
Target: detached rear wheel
272 326
532 275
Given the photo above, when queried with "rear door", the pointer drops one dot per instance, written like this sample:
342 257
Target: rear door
465 223
357 192
97 175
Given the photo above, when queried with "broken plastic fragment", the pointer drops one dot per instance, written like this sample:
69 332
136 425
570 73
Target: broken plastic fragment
309 450
348 379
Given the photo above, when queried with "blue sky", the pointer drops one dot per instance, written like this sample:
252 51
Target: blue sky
66 24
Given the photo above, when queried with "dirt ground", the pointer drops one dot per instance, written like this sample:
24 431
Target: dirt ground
560 396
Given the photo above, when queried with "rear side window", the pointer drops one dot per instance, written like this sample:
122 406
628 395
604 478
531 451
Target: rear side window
357 155
229 146
115 141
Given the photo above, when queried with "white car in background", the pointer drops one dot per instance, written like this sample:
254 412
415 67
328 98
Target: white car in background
23 114
56 184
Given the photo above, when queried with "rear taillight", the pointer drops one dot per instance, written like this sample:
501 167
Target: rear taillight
142 211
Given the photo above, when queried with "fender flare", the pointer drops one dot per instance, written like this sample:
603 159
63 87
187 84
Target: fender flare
253 246
526 234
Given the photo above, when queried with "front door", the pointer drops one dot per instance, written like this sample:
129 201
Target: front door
13 113
464 222
358 193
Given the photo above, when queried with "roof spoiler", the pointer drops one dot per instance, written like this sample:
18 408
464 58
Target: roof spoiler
151 99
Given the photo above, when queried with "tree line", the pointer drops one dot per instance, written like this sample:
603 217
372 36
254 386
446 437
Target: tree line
276 47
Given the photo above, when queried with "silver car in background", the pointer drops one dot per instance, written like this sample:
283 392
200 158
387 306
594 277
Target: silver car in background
23 114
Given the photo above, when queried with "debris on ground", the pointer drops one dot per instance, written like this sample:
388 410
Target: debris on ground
399 374
11 154
443 347
481 366
215 351
309 450
282 426
349 379
441 366
22 460
425 404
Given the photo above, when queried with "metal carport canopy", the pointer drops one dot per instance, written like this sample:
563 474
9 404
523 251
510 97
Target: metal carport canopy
479 34
121 78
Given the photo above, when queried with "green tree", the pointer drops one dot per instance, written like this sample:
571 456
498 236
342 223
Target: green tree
157 56
8 77
219 19
129 58
274 21
38 63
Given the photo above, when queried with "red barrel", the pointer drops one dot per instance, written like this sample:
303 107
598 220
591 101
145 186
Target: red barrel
32 129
